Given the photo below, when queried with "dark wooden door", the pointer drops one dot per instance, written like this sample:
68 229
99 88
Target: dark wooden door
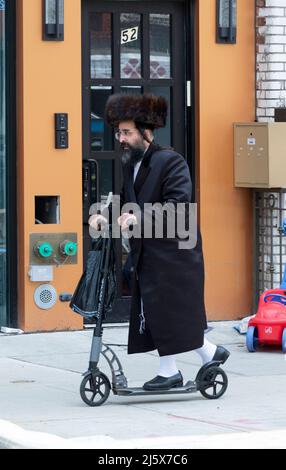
132 47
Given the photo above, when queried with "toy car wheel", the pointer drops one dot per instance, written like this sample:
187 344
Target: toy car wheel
284 340
95 389
252 339
213 383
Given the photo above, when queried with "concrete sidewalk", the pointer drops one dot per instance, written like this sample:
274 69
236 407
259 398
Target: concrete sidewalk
39 393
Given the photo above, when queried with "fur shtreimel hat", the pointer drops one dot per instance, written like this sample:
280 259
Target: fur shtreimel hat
146 110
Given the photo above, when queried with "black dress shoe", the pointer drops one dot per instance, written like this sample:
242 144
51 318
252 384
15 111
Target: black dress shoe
221 354
164 383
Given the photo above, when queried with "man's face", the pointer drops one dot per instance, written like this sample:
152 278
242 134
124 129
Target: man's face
131 142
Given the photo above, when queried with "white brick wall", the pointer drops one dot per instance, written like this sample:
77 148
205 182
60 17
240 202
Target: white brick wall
271 12
275 3
270 58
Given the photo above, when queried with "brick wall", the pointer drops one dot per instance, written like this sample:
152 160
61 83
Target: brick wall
270 207
270 57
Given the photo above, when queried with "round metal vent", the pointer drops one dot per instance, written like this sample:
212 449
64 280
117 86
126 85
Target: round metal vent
45 296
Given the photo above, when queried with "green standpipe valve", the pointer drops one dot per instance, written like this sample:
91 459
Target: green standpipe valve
68 248
44 249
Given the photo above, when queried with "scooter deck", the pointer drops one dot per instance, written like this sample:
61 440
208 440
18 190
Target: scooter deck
189 387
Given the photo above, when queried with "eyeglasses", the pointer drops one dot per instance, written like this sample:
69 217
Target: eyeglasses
125 132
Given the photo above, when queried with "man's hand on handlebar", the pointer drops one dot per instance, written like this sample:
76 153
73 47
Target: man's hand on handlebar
125 220
97 221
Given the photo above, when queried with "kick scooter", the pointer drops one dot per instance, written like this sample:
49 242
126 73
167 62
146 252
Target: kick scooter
211 380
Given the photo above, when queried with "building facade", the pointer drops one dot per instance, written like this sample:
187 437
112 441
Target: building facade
67 158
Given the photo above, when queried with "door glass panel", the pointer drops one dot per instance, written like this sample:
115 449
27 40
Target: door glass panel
130 56
160 53
100 45
136 90
163 136
105 178
101 133
3 312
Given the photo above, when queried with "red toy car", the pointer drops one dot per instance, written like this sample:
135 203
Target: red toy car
269 324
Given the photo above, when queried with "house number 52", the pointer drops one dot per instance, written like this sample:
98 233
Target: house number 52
128 35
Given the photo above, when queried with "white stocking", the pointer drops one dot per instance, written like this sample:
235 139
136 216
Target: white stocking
168 366
207 351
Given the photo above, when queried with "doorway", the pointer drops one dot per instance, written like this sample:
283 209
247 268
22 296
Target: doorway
131 47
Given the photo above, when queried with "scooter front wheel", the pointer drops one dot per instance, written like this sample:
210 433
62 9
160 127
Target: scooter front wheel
213 383
95 389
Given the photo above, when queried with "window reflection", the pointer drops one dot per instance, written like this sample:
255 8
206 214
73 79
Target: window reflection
106 178
130 57
135 90
164 136
160 54
100 45
101 133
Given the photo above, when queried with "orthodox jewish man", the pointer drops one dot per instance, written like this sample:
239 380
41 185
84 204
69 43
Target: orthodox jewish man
167 308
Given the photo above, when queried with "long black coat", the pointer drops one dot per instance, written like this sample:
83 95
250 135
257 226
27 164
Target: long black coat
170 280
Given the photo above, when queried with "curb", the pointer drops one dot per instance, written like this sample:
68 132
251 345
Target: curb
15 437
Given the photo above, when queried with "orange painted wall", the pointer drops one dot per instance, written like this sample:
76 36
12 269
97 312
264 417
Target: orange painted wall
226 94
49 81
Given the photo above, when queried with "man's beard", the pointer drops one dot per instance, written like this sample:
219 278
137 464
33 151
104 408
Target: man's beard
132 154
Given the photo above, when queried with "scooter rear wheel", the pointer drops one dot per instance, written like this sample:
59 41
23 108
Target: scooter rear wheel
213 383
95 389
